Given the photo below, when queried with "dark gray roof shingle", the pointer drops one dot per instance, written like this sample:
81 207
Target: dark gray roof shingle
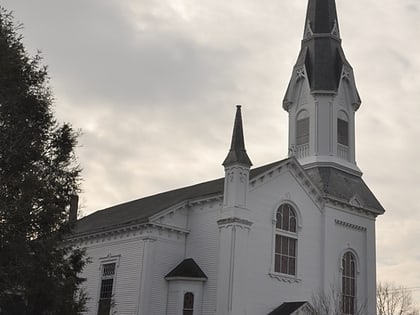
332 182
344 186
140 210
188 268
287 308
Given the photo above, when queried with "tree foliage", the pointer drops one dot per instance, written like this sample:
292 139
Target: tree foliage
330 303
394 300
38 175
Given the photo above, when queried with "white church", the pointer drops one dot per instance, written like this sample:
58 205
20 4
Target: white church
260 241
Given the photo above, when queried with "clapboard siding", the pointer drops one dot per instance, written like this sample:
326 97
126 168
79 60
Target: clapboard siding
128 253
202 245
167 253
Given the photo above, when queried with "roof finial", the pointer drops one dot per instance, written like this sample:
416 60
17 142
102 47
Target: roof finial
237 152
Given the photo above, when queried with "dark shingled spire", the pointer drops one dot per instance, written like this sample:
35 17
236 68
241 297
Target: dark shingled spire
321 46
237 152
321 51
321 59
321 16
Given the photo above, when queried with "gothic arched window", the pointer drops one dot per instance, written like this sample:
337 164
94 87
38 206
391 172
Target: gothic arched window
286 240
188 308
302 128
348 284
343 129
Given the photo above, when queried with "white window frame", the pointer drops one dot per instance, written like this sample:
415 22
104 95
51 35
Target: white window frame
356 273
109 259
293 235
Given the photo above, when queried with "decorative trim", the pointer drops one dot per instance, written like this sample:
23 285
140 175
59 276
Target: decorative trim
346 205
185 279
284 278
135 229
300 73
234 221
350 225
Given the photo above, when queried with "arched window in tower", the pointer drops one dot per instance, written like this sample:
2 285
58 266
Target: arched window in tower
302 134
348 284
343 135
343 128
285 240
188 308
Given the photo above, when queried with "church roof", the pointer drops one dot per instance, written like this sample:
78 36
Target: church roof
287 308
333 183
140 210
237 152
344 187
188 268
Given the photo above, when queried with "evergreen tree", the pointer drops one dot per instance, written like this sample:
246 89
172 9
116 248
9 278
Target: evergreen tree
38 176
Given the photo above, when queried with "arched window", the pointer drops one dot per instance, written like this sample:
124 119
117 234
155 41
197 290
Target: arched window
302 128
286 240
188 308
343 129
348 284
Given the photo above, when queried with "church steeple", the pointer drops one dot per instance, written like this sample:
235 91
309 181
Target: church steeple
322 96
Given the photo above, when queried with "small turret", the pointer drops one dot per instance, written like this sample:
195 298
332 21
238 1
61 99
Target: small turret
237 165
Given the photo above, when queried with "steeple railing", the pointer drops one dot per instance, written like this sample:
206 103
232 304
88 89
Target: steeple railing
343 152
302 151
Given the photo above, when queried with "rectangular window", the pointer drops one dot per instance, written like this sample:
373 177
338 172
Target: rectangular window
302 131
107 283
343 132
285 255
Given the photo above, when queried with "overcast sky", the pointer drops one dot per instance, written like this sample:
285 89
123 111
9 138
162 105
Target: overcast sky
153 85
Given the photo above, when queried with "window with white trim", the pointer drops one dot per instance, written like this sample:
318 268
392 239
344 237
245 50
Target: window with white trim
343 129
188 308
348 284
285 249
302 128
106 290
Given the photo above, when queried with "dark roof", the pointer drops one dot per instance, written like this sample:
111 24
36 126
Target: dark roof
344 186
321 53
287 308
188 268
237 152
140 210
332 182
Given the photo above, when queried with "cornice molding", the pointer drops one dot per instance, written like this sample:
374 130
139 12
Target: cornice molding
350 225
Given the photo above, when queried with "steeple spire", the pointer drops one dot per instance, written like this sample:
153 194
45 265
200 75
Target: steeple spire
321 52
322 97
321 17
237 152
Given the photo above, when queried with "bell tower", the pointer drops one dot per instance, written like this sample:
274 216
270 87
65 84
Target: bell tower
322 97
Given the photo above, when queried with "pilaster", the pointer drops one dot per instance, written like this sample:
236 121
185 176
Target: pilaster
143 307
232 274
